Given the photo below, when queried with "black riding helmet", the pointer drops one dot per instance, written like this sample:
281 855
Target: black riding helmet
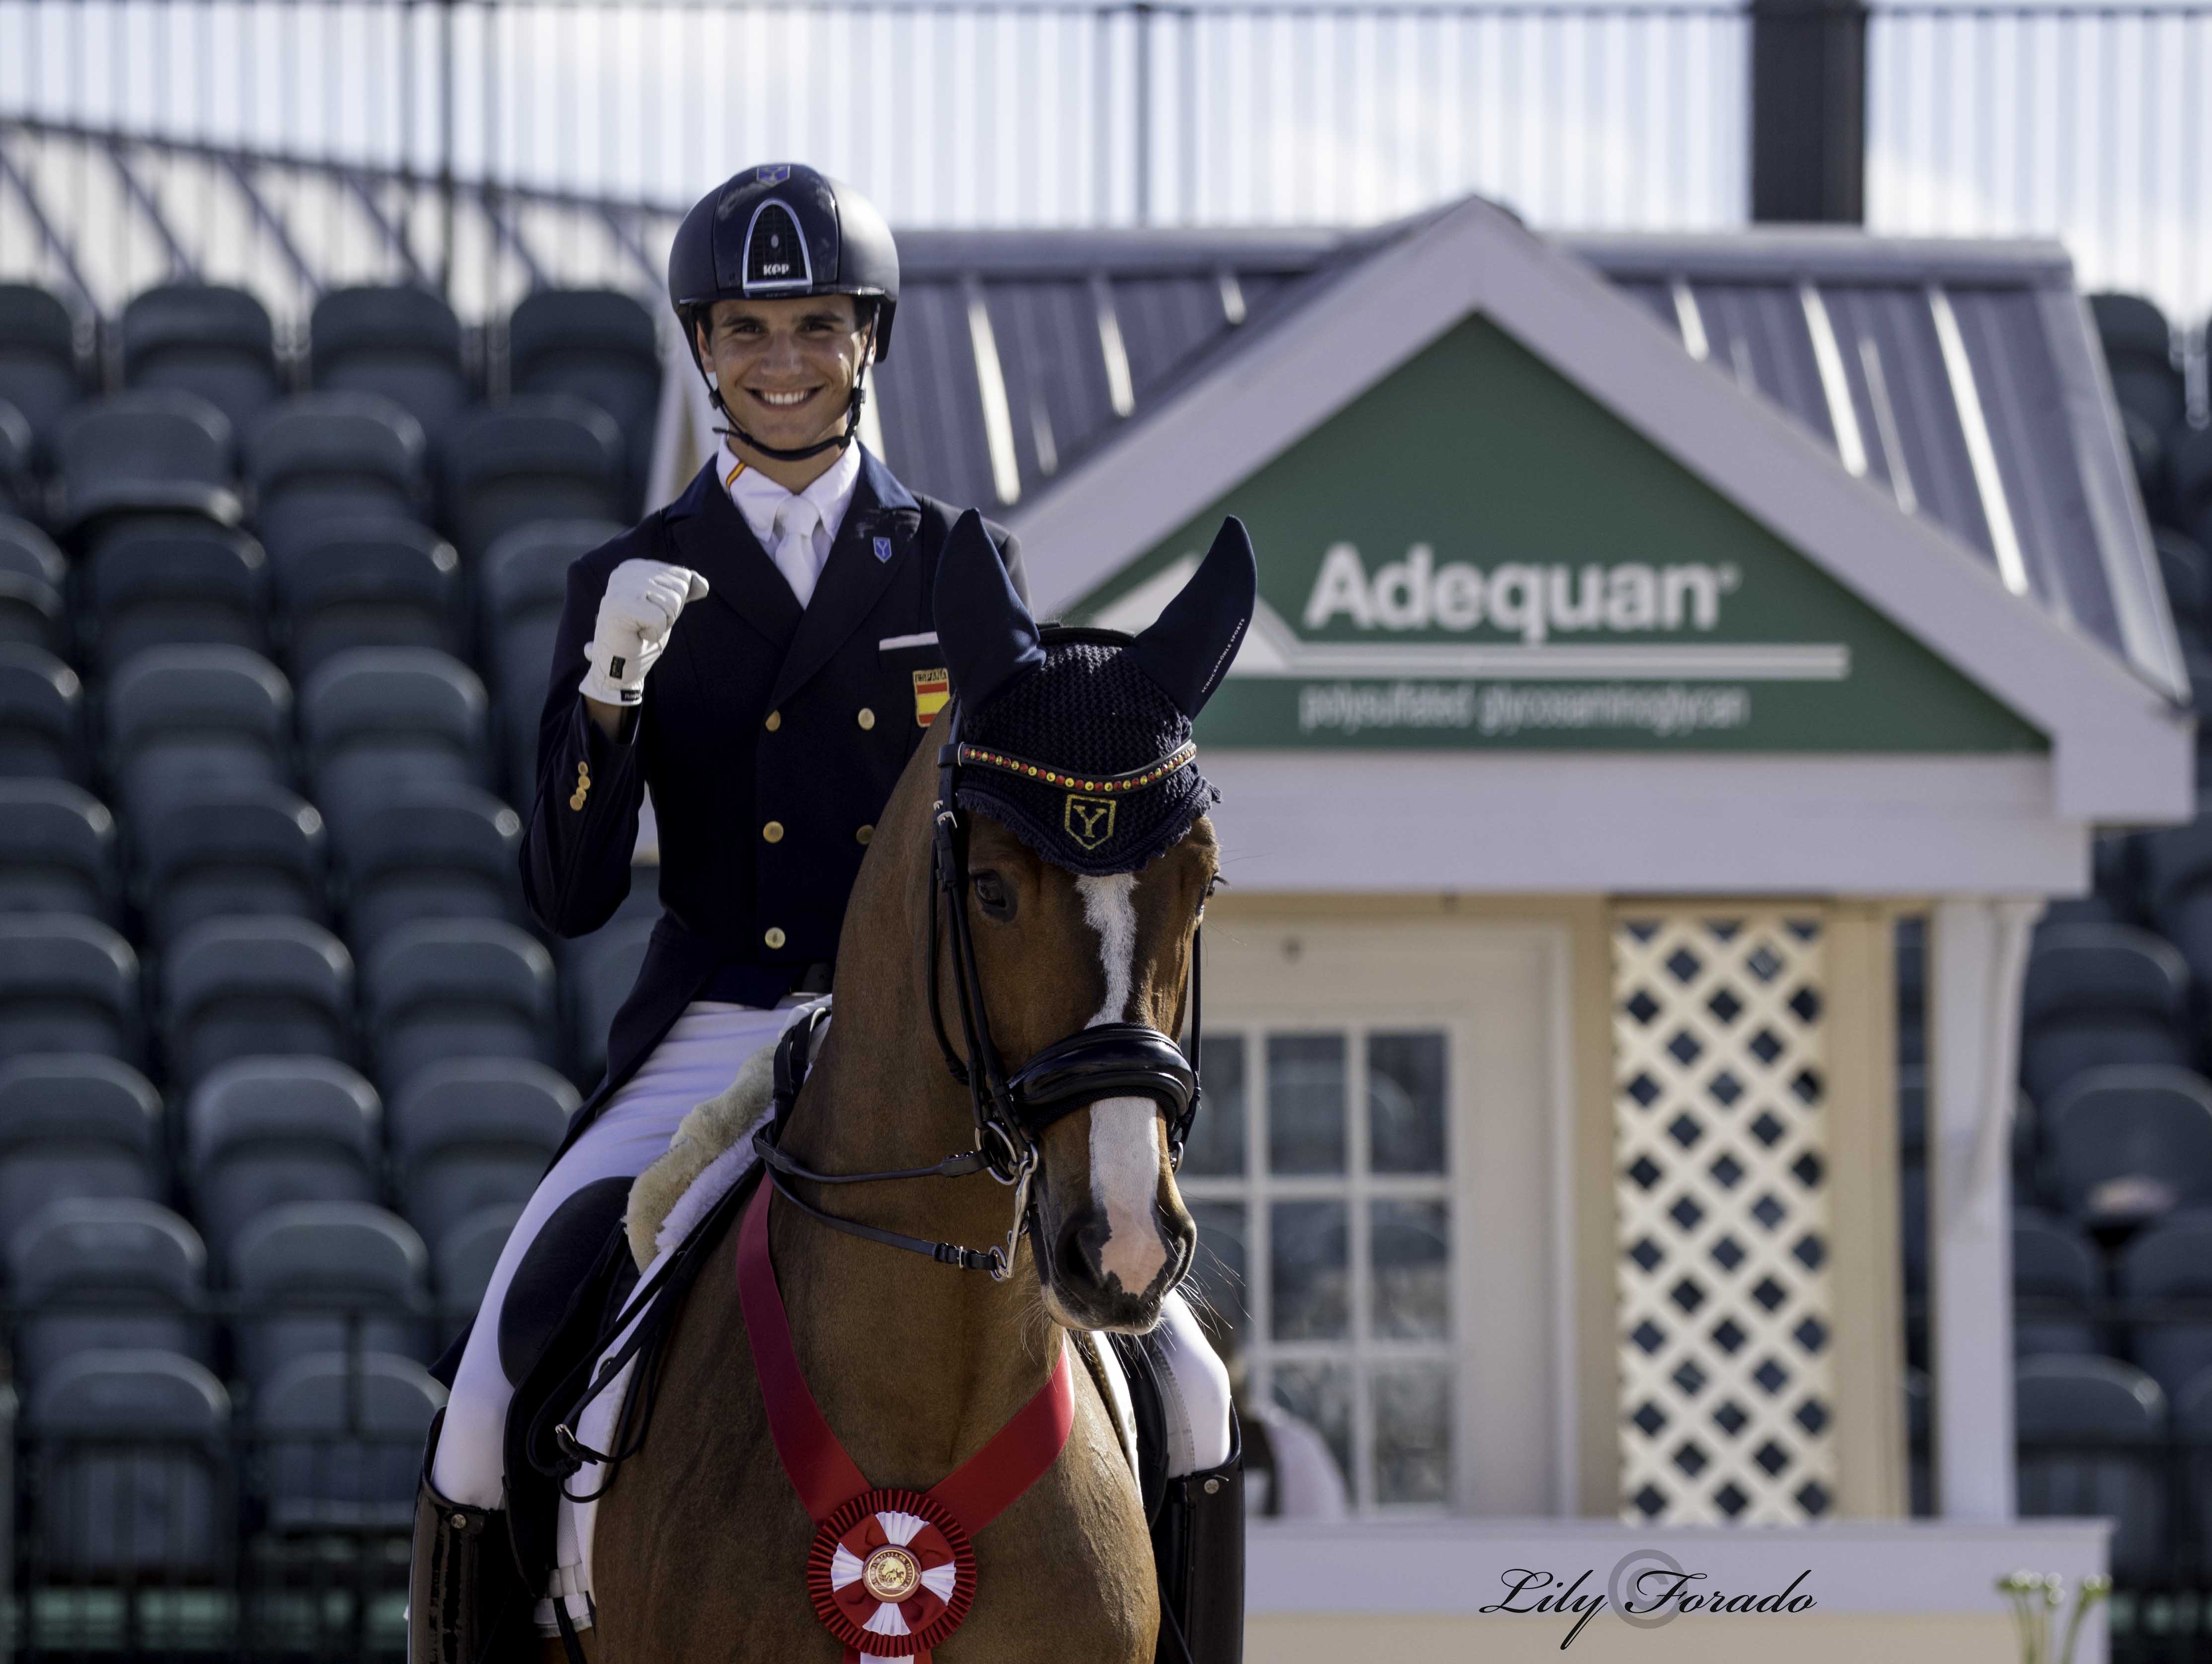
778 231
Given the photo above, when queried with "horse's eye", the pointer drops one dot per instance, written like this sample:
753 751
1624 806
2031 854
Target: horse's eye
993 892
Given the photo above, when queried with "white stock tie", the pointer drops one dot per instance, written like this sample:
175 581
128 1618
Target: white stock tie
795 522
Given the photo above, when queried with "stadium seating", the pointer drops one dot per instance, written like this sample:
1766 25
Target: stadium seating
2171 1261
345 1440
58 851
206 339
323 1278
145 452
377 720
2055 1265
523 587
20 493
325 458
2126 1143
254 987
404 344
41 716
167 580
433 852
2058 1400
267 1130
32 574
602 347
77 1127
184 721
102 1274
2098 994
234 852
2139 351
131 1462
442 989
549 456
369 584
68 985
38 372
474 1133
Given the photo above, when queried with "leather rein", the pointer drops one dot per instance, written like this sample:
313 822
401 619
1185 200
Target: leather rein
1011 1112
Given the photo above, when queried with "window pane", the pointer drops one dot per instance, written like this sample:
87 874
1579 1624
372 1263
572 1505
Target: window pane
1305 1103
1406 1102
1411 1256
1320 1395
1218 1280
1309 1280
1215 1147
1412 1433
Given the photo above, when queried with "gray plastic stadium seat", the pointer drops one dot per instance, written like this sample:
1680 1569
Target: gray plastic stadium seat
525 584
251 987
202 339
2170 1261
2061 1398
325 458
327 1277
2192 1420
550 456
146 452
602 968
435 851
345 1440
601 346
182 721
2056 1263
2126 1143
475 1133
31 573
403 343
41 716
72 1126
2100 994
105 1274
20 493
263 1131
370 583
56 851
68 983
2178 888
2139 351
38 372
465 1256
246 851
379 719
2187 575
172 580
458 988
132 1468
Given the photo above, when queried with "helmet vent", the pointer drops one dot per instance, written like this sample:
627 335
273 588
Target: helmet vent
776 254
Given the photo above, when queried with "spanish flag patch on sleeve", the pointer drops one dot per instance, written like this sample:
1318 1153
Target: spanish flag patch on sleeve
931 688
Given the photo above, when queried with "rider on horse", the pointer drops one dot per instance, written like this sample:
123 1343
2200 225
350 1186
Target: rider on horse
780 717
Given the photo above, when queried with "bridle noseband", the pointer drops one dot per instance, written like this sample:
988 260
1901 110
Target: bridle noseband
1011 1112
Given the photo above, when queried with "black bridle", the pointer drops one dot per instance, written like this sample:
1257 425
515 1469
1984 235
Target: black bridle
1011 1112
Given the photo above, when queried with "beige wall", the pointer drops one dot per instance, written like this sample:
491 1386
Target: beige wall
1808 1638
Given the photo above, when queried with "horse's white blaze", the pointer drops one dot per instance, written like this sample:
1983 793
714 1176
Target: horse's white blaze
1124 1149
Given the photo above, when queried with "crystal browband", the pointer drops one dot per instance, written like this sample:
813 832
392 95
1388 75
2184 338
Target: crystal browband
1136 778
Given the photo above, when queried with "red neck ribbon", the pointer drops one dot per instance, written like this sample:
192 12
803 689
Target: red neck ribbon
854 1521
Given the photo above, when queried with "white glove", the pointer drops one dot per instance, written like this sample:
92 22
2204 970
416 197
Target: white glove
636 614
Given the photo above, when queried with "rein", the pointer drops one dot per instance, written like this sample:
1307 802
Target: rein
1110 1060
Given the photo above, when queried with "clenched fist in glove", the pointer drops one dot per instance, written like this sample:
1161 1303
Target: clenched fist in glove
636 613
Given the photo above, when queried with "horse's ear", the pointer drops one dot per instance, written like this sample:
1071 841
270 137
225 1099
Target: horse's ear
987 634
1187 649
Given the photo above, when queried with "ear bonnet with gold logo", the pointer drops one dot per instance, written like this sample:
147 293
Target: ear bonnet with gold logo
1079 741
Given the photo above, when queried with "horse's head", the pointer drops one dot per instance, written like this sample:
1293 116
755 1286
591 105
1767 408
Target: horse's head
1087 856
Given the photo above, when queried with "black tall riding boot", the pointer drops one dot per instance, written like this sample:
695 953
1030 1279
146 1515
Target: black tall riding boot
465 1602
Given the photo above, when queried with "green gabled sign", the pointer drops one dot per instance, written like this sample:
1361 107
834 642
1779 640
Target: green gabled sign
1474 553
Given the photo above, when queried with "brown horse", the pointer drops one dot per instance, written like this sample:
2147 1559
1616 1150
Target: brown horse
700 1542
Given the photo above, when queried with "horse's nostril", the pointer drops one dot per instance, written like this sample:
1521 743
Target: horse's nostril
1082 1240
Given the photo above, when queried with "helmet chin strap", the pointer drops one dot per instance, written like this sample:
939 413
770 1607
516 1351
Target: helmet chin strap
836 442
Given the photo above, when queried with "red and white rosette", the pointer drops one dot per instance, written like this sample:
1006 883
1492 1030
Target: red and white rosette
892 1574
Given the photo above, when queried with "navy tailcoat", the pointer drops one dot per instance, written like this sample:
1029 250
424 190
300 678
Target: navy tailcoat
771 737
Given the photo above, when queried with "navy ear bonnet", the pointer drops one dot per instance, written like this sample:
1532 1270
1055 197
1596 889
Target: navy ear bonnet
1079 741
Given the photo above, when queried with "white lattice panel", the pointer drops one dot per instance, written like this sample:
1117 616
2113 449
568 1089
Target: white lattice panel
1721 1184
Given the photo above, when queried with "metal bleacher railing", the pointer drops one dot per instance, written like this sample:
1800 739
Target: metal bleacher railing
492 146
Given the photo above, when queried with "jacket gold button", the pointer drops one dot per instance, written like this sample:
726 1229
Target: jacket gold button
774 720
867 718
772 831
773 936
864 834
